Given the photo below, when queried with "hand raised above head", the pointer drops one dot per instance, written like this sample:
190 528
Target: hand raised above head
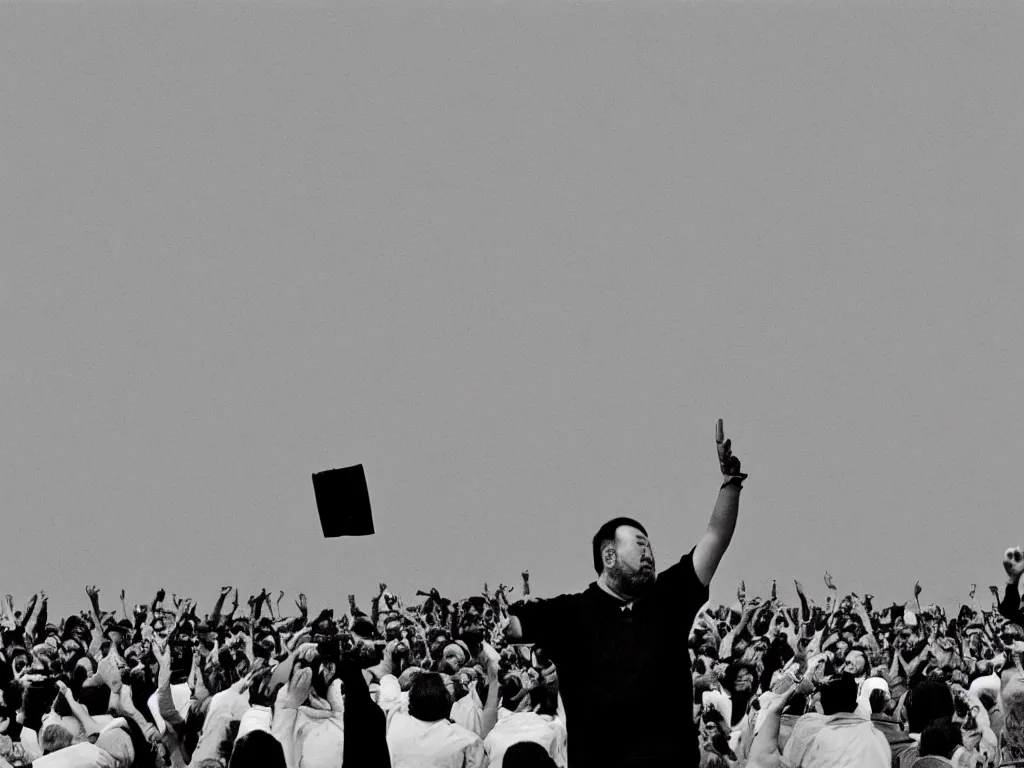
729 464
1013 562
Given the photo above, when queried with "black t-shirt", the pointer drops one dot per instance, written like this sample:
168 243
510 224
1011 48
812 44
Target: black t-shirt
624 675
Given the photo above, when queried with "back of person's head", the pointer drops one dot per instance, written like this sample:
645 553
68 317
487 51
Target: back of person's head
53 738
877 699
839 695
257 749
507 691
429 699
607 533
545 699
940 738
527 754
927 701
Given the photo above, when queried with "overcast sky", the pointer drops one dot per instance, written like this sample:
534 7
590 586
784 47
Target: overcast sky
515 259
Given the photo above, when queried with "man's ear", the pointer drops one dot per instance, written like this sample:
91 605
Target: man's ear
608 555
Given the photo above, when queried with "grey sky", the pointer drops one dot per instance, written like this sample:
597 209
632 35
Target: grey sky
515 259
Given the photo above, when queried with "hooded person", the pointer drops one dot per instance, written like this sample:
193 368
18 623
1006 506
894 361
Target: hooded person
309 713
864 697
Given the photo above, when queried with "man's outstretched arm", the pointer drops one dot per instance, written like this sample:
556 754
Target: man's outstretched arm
712 545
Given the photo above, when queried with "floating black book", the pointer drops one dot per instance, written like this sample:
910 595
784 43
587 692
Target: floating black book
343 501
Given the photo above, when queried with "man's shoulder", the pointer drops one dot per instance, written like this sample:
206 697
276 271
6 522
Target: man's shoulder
564 601
463 735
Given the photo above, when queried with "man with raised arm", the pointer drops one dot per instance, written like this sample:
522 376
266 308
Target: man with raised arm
620 646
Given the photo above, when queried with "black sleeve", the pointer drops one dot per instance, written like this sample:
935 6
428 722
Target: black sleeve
546 622
1010 605
679 587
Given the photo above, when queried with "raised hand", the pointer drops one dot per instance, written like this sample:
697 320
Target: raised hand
301 604
729 464
917 589
974 588
383 587
93 592
1013 562
799 587
225 591
741 592
122 594
831 585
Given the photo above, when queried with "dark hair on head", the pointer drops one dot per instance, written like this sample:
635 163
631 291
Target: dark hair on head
429 699
145 757
940 737
987 698
257 749
796 705
877 699
607 533
926 702
508 690
839 695
546 698
733 671
527 754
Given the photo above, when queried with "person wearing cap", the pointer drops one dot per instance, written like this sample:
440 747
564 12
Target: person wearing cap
610 642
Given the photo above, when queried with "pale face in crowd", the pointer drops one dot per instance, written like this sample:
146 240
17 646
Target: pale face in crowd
856 663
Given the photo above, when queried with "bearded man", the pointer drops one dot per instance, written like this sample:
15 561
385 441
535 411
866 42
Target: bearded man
620 646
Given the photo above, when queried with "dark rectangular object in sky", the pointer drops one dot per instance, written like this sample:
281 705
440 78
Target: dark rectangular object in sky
343 501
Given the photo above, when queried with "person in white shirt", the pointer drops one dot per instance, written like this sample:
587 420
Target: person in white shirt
839 738
425 737
540 725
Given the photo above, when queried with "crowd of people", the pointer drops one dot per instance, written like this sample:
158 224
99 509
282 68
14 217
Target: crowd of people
847 682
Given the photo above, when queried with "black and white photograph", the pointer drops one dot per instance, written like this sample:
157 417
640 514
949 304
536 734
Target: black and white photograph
511 384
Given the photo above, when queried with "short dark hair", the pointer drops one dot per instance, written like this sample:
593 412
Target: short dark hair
940 737
928 701
839 695
257 748
607 533
429 699
547 698
527 754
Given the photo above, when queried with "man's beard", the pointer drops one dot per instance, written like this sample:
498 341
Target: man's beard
638 581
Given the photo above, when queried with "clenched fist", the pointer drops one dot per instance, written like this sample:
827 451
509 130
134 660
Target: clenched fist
1013 562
